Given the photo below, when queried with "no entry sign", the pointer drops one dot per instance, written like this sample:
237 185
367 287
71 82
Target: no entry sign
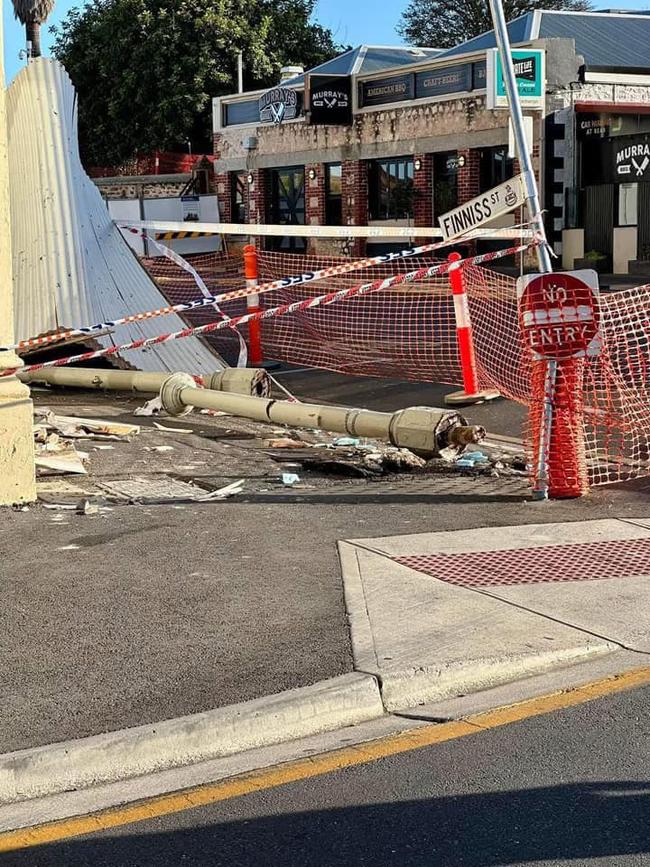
558 314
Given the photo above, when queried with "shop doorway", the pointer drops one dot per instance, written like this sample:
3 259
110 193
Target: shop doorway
287 206
599 220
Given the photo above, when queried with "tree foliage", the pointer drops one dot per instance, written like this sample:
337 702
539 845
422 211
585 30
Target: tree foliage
443 24
146 70
33 13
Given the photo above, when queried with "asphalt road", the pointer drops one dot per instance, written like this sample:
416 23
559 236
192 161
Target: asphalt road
386 395
568 788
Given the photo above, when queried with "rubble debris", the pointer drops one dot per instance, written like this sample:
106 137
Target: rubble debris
151 407
183 430
346 441
224 493
290 479
74 427
285 443
85 507
65 459
472 459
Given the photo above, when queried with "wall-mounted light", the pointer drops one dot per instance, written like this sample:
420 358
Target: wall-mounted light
418 165
461 160
249 178
312 174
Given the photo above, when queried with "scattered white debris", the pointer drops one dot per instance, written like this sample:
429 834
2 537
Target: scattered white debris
151 407
290 479
184 430
85 507
66 460
71 426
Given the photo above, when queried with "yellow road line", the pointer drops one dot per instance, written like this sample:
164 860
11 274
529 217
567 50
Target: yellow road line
304 769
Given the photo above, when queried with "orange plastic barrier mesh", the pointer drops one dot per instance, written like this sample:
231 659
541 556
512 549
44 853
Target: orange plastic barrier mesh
410 334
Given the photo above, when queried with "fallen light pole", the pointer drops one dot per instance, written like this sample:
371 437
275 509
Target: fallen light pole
241 380
426 431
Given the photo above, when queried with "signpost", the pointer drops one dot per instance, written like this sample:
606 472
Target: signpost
484 208
540 488
559 320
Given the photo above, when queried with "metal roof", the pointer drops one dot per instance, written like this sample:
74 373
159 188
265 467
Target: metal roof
368 59
71 265
606 40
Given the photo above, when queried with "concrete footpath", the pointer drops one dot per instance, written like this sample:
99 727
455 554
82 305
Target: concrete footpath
139 637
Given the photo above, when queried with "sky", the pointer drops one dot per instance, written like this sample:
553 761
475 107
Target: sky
352 23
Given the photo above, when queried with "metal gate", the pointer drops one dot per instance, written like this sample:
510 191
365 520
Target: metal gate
643 244
599 219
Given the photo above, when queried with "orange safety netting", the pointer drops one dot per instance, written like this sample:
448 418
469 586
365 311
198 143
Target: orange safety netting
409 333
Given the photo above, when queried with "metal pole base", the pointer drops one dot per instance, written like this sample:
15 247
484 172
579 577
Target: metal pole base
461 398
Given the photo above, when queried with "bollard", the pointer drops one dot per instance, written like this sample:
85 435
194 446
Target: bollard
471 392
253 306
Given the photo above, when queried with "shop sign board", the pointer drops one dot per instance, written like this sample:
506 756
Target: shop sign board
558 314
330 99
631 161
190 207
621 160
382 90
479 75
278 104
484 208
442 81
530 74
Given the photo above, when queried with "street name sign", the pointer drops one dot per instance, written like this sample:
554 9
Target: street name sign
558 314
484 208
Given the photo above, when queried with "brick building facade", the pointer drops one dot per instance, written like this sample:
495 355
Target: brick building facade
422 139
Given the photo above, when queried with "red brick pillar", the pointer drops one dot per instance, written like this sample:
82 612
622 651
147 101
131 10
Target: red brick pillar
257 201
423 192
354 176
224 196
468 175
314 201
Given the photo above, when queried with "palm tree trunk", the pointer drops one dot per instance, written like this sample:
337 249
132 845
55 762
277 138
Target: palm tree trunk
33 29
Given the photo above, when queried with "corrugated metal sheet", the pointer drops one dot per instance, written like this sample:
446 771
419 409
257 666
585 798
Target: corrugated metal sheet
72 266
605 40
519 30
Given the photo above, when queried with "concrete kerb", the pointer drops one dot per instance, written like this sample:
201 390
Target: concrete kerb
397 616
331 704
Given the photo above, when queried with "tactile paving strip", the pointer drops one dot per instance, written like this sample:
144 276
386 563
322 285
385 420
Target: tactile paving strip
588 561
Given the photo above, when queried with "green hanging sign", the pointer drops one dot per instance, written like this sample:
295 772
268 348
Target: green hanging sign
530 73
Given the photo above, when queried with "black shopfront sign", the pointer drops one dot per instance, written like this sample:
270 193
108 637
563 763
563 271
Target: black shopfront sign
590 125
620 160
330 99
439 82
382 90
442 81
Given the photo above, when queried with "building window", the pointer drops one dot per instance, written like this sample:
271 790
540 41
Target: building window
495 167
628 204
238 184
390 193
445 182
333 207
